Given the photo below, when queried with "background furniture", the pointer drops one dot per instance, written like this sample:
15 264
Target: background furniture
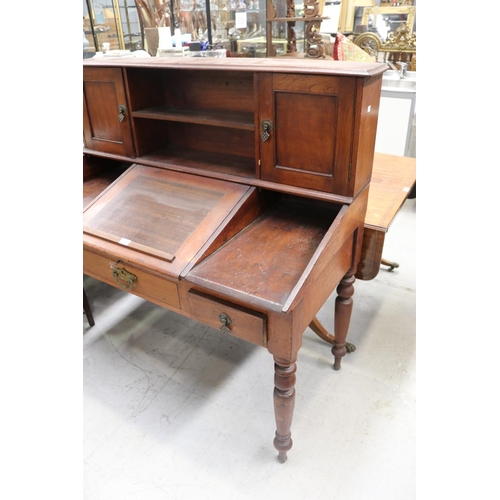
392 180
396 41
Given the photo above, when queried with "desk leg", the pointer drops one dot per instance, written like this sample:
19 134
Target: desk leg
284 403
324 334
343 310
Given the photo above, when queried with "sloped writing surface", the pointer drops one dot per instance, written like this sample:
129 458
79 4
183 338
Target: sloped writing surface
165 215
263 263
156 213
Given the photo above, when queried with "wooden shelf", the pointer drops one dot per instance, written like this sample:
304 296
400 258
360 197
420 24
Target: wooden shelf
217 118
212 162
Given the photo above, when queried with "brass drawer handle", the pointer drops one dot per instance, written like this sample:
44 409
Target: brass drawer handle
225 322
123 277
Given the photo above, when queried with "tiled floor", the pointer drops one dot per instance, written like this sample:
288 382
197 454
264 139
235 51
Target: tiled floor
174 410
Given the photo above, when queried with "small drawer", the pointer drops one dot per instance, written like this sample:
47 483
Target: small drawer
241 322
148 286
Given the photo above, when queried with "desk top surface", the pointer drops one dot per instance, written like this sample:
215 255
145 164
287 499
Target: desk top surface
392 179
253 64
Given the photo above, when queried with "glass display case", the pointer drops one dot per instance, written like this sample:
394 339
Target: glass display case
237 25
113 22
241 27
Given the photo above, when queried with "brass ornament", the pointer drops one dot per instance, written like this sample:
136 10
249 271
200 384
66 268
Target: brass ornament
124 278
225 323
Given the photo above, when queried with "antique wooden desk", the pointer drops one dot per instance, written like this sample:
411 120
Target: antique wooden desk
244 203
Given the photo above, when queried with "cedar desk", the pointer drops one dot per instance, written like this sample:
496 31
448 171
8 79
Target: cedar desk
237 210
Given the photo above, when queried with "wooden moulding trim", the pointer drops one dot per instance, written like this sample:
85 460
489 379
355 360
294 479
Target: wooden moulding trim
133 245
272 186
275 65
236 297
295 295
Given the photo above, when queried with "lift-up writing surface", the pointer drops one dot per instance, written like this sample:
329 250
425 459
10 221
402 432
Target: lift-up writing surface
162 218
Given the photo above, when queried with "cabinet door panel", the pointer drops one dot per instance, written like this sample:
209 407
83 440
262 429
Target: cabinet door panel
312 118
293 133
103 100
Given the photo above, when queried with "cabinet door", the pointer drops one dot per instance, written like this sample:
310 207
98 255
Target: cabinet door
106 120
310 126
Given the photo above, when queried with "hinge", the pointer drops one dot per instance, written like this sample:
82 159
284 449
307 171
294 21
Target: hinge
259 163
349 172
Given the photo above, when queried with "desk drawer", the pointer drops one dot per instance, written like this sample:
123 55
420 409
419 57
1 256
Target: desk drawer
243 323
150 287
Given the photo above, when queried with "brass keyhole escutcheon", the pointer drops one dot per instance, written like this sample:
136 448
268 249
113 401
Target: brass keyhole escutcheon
225 322
266 126
124 278
121 112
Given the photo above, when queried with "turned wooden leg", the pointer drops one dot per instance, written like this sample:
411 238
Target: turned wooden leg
343 309
323 333
284 402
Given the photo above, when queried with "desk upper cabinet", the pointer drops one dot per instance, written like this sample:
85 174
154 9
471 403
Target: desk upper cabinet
311 124
306 124
316 121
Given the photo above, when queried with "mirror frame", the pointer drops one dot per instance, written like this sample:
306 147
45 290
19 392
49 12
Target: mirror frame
402 9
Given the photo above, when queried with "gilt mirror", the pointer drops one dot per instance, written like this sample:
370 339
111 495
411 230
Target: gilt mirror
385 20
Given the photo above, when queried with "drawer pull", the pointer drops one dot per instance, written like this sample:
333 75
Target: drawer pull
267 126
226 321
124 278
121 112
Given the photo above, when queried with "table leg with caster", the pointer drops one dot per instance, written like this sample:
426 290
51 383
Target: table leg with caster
388 263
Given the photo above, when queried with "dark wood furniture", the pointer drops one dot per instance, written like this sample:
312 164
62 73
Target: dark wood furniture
393 178
244 204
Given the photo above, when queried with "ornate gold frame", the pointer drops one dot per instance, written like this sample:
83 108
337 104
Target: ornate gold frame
403 9
347 10
403 40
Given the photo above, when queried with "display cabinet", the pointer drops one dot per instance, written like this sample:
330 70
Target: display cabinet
239 118
112 22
